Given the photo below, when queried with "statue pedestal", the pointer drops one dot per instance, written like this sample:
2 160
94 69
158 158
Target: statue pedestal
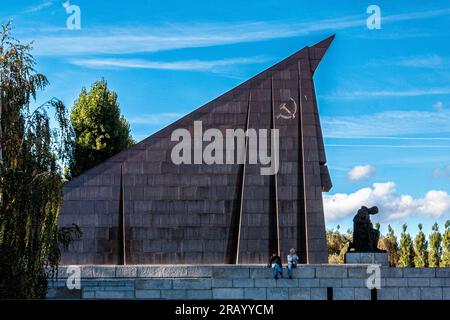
367 258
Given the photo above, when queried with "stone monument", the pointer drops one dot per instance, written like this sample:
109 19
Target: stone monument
364 247
139 207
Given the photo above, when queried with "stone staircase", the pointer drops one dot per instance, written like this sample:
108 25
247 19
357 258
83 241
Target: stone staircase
255 282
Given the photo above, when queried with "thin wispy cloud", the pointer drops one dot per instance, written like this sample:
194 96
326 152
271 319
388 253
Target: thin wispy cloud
188 65
38 7
391 138
430 61
400 35
416 15
409 146
363 94
156 118
417 161
173 36
389 124
441 172
163 38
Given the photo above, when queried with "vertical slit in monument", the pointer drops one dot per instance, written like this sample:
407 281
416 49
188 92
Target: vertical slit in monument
374 294
330 293
274 221
302 242
234 237
121 249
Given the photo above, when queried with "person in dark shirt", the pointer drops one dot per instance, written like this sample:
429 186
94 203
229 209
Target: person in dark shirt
275 264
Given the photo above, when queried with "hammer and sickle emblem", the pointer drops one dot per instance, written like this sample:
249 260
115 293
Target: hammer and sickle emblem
286 113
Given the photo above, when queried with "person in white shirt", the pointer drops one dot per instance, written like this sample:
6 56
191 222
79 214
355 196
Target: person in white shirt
292 259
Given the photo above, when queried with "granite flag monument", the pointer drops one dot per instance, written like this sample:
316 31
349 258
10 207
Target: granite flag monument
139 207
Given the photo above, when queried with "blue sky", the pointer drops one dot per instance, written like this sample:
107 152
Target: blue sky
384 95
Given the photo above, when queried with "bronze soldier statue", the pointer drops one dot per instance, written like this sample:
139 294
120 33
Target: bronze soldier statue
365 236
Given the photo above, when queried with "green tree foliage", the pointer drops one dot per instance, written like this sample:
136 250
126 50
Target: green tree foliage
445 262
390 244
406 249
407 254
337 245
435 251
31 156
100 130
420 249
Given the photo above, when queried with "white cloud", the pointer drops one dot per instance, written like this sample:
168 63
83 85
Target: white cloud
188 65
441 172
439 106
359 173
392 206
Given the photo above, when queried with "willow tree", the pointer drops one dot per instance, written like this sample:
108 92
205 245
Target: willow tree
32 153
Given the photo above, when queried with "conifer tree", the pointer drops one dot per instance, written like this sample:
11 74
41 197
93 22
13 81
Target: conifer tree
406 249
390 244
435 250
420 249
445 262
337 245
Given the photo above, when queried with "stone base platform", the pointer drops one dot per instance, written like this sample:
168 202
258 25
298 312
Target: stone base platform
310 282
381 258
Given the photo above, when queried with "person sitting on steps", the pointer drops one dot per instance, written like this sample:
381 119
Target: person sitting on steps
275 264
292 259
